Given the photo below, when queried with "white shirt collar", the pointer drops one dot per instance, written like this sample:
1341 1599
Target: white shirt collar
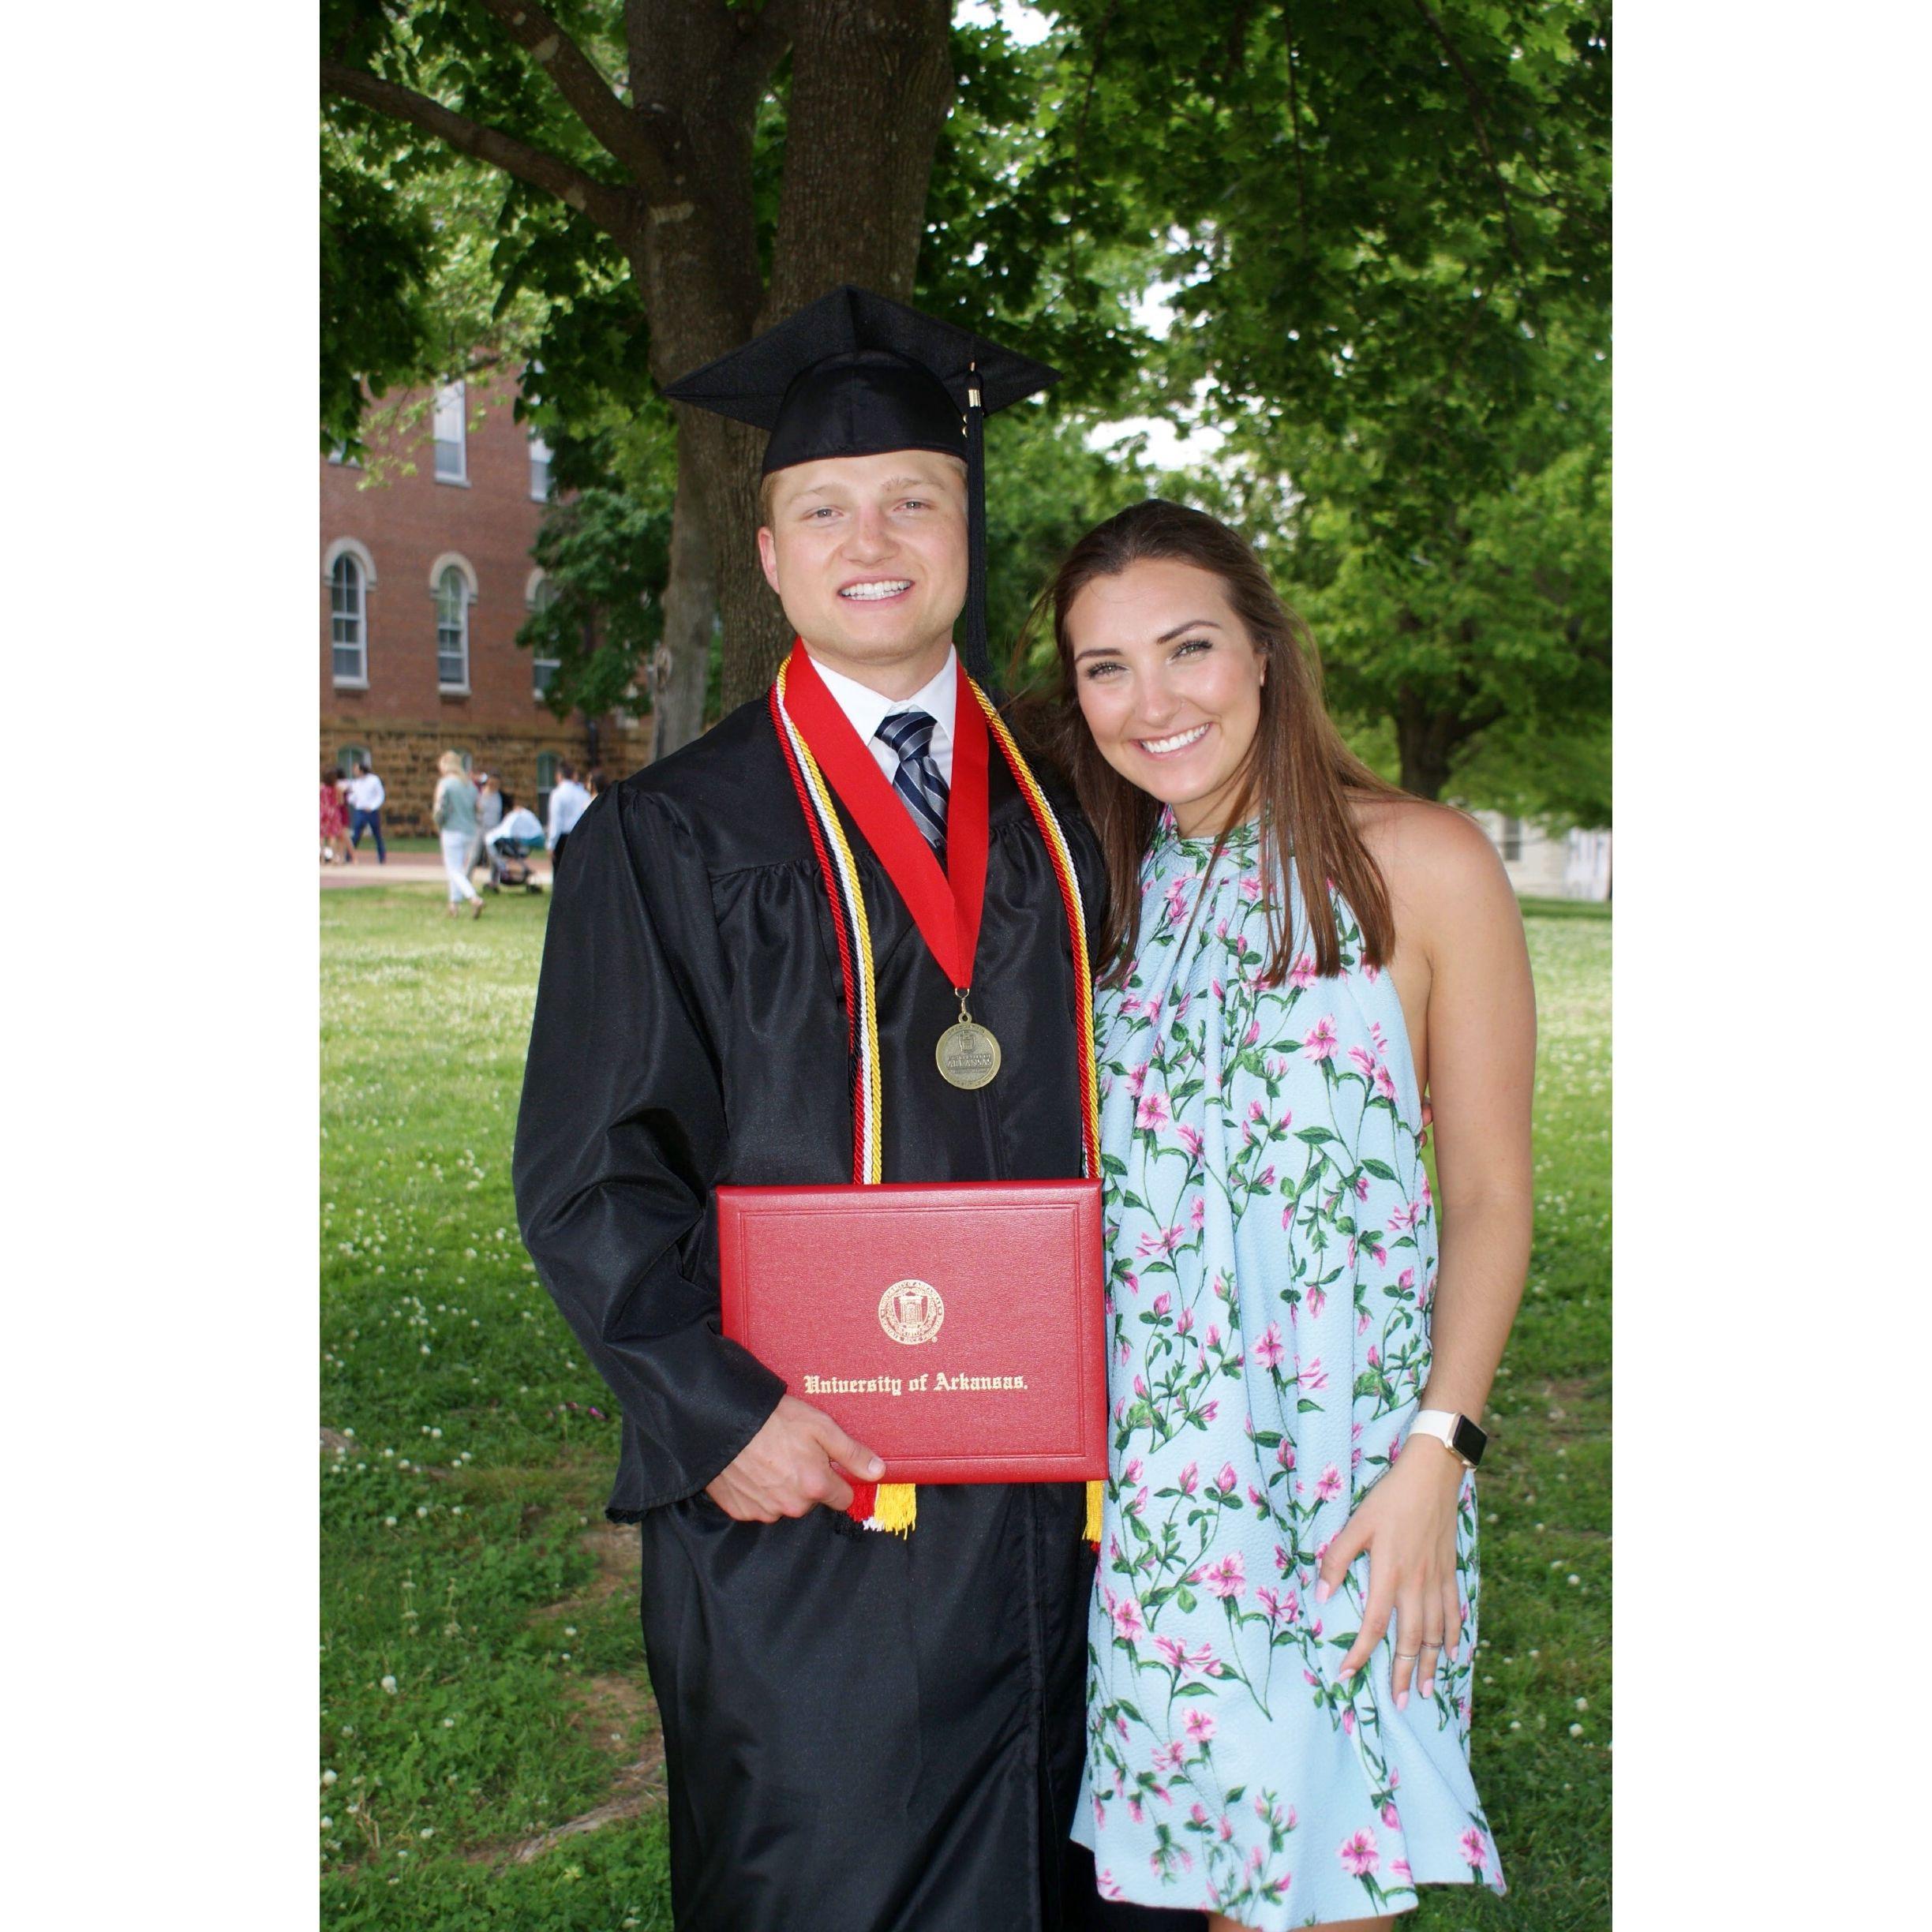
867 709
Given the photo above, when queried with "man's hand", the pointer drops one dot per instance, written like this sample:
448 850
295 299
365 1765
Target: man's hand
788 1468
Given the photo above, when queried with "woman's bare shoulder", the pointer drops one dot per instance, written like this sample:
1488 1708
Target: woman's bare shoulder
1424 849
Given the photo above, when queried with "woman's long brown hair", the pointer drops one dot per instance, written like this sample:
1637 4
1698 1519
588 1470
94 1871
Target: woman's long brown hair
1300 776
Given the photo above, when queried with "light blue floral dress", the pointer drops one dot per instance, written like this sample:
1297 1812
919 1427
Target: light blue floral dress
1272 1254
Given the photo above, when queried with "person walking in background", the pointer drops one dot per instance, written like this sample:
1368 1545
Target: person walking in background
335 846
594 785
568 800
489 816
454 808
366 804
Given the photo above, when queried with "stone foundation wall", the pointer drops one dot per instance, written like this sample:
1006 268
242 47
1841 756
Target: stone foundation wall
405 756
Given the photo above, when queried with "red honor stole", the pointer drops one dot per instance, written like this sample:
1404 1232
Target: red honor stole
945 906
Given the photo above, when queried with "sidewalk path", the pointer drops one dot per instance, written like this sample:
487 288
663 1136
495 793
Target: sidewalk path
407 869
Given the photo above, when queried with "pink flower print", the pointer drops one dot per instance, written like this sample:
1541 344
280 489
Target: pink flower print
1359 1854
1220 991
1401 1219
1130 1002
1399 1871
1133 1810
1220 929
1227 1578
1429 1289
1284 1455
1177 899
1227 1480
1314 1378
1189 1138
1302 974
1198 1724
1475 1849
1169 1757
1254 1854
1391 1817
1405 1278
1250 887
1376 1035
1371 972
1329 1487
1321 1041
1429 1200
1384 1084
1140 1386
1252 1036
1361 1187
1364 1060
1152 1111
1348 1713
1126 1612
1108 1885
1131 1474
1214 1337
1162 1302
1198 1812
1375 1356
1136 1078
1163 1243
1255 1497
1309 1678
1268 1351
1197 1213
1190 1478
1210 1410
1361 1323
1140 1504
1184 1322
1317 1300
1152 1008
1281 1559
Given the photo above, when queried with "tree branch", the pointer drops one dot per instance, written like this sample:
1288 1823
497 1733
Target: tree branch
1294 127
622 134
597 201
1476 104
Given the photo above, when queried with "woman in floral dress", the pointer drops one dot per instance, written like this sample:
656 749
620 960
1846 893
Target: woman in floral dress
1283 1629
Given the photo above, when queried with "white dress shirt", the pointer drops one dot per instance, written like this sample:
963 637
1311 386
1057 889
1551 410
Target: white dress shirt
867 709
366 793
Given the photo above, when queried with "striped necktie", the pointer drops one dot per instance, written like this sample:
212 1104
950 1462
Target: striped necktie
918 781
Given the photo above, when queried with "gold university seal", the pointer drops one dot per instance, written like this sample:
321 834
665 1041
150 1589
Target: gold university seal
910 1311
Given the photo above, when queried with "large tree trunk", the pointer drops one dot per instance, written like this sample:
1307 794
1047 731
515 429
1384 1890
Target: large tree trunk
683 655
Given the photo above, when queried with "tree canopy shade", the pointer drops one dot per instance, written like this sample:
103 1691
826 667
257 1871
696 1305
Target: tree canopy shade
1375 218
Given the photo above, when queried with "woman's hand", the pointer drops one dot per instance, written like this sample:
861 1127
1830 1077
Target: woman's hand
1407 1524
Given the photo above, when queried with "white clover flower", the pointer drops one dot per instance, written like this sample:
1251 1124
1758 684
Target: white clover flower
389 1522
1576 1730
389 1684
329 1778
428 1831
449 1724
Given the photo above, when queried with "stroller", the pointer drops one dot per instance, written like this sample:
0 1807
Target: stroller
508 847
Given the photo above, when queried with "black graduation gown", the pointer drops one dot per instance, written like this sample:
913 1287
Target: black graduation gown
863 1732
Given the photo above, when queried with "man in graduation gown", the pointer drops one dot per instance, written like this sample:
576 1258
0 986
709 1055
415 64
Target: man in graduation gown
863 1731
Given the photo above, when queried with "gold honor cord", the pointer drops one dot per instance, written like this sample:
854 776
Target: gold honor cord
895 1506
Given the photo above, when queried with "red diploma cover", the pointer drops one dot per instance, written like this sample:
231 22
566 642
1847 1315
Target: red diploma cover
957 1329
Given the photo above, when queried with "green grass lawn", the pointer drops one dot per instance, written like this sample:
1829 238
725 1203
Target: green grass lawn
483 1686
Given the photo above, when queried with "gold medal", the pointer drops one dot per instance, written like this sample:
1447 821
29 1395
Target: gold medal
969 1055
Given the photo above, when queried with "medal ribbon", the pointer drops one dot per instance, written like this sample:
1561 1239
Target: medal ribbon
798 701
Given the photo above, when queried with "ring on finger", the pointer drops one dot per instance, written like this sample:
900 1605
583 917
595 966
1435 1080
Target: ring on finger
1407 1656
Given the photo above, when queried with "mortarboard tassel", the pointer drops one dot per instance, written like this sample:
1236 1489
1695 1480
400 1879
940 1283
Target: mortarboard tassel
979 661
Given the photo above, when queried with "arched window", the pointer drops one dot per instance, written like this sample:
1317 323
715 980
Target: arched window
452 601
452 461
348 757
540 594
348 623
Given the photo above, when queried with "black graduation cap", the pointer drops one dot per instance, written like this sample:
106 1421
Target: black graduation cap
854 374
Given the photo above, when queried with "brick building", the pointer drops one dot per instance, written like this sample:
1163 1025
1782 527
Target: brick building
425 578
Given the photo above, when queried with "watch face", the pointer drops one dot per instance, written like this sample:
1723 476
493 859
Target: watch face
1467 1441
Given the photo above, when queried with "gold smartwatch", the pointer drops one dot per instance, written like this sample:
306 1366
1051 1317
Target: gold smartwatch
1456 1433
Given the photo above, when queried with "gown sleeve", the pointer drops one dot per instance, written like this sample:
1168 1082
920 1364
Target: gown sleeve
621 1136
